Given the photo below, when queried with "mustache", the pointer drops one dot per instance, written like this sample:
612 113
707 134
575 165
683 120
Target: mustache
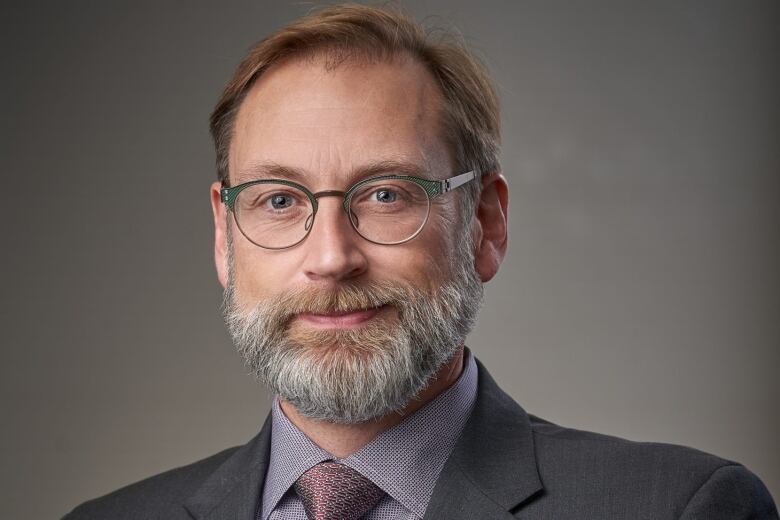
340 299
343 299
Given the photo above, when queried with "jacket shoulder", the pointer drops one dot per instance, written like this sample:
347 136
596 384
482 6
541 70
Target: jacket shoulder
558 441
644 474
156 497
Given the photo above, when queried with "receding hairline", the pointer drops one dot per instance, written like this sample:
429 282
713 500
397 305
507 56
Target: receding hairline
323 58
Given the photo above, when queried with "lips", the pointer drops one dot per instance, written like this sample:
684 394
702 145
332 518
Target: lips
340 320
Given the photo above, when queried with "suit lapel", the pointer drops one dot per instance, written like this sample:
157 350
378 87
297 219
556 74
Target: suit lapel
233 490
492 468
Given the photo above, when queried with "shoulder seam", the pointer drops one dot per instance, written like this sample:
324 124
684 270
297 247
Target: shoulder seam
598 437
704 483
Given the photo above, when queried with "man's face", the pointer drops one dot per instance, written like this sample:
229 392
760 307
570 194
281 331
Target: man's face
332 126
336 299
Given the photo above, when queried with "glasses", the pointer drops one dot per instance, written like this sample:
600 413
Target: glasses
386 210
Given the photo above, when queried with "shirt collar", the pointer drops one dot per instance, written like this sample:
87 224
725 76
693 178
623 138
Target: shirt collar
404 461
292 453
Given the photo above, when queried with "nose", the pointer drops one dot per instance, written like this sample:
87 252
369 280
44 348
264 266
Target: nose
333 248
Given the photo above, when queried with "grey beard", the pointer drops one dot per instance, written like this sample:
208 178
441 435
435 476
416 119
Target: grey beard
350 376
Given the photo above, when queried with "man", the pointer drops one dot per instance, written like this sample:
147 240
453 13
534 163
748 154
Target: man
359 210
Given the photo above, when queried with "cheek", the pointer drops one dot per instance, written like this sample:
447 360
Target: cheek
445 229
256 274
421 262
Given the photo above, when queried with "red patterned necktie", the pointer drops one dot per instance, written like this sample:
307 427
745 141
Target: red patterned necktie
333 491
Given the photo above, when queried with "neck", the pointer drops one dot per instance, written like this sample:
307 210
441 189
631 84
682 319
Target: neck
342 440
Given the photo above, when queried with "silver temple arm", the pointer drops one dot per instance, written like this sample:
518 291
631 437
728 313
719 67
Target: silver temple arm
457 181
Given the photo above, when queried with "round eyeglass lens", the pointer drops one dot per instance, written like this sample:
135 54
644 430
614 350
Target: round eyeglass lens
389 211
273 215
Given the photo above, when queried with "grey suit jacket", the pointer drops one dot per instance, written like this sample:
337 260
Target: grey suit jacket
507 464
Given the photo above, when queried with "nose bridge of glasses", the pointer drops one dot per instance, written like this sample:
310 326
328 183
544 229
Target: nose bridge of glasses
333 193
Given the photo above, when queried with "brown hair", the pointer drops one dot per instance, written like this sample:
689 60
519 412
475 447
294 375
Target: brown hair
342 32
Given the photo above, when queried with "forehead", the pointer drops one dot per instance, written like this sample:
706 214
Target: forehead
331 122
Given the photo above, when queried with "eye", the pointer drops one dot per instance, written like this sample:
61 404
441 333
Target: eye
280 201
385 195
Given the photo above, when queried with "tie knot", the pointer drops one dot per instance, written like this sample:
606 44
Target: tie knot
333 491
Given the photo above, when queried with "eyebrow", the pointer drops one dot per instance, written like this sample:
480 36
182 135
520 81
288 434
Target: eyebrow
271 170
388 167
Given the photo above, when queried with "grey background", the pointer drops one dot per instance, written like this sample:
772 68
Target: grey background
639 298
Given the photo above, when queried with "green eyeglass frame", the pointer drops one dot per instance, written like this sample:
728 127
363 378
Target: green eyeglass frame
433 188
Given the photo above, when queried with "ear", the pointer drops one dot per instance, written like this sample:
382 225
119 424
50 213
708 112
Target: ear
490 225
220 233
